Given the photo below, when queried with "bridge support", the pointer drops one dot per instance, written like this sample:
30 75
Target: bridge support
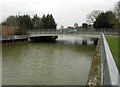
43 38
95 41
28 39
84 42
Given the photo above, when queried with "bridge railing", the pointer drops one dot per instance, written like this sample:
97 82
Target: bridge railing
70 31
109 68
14 37
43 31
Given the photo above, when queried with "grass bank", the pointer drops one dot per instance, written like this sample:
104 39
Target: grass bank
113 44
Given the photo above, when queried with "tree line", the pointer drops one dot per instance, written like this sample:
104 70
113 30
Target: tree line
25 22
106 20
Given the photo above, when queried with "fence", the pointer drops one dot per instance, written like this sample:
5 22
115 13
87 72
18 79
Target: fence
109 68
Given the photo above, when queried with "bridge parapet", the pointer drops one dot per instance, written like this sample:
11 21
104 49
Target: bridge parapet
109 69
54 31
14 37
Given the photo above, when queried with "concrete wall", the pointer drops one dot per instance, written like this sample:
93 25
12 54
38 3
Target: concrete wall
109 68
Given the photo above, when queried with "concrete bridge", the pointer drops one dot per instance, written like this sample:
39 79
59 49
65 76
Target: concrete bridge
55 33
52 33
36 35
48 36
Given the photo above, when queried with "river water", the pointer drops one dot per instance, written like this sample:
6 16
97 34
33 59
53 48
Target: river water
65 62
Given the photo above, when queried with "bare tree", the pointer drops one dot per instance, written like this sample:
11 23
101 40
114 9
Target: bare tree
117 10
75 25
91 18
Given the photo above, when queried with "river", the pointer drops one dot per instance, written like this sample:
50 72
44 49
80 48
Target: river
65 62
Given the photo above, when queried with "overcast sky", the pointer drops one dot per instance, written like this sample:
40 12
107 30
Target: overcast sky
65 12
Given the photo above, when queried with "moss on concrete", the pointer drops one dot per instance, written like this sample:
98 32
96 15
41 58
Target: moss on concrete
94 78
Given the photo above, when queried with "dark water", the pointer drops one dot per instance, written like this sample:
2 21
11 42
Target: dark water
62 63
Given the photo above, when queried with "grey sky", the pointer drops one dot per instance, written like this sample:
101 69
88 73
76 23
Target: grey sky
65 12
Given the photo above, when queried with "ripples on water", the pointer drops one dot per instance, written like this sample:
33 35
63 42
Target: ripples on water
65 62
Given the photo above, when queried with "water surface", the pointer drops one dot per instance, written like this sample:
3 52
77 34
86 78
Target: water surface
60 63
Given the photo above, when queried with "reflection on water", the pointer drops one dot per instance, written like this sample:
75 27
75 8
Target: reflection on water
47 63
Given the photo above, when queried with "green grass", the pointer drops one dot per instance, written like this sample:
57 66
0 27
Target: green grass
113 44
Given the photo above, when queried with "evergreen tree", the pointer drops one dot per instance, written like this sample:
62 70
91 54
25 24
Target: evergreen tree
48 22
11 21
36 22
105 20
25 22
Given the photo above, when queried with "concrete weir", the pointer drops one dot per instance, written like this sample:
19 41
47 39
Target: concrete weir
95 41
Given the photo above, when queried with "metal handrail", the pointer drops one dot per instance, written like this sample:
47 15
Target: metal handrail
109 68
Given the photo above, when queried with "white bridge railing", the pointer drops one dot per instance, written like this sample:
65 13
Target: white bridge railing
109 69
13 37
66 31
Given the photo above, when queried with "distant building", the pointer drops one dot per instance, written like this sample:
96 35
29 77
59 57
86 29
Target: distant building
62 29
71 29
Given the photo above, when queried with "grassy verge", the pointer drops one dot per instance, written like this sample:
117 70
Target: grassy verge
113 44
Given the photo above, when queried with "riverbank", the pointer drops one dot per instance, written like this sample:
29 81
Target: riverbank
94 78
